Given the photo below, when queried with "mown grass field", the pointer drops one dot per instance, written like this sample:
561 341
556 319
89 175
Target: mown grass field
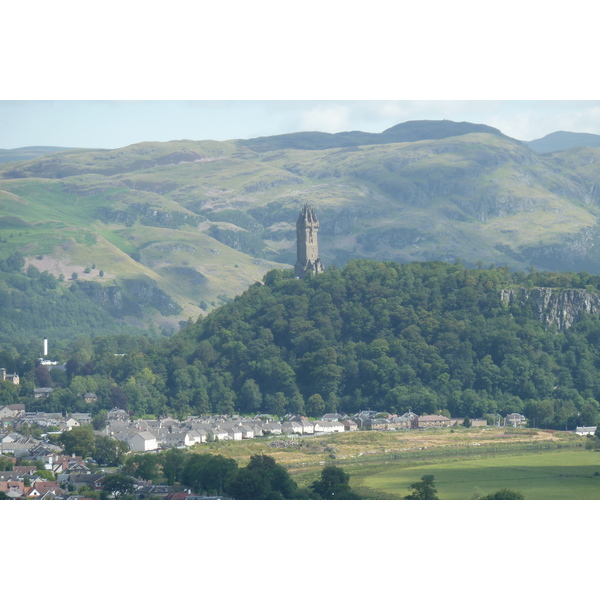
551 475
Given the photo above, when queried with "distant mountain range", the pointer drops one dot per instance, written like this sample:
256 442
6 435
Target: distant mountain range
411 131
28 153
564 140
180 227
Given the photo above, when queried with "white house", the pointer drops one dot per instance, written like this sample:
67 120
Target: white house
247 431
515 420
328 427
233 431
291 427
307 426
6 411
273 428
173 440
585 430
195 436
216 433
71 422
142 441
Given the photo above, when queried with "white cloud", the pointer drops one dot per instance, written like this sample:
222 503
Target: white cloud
330 119
532 120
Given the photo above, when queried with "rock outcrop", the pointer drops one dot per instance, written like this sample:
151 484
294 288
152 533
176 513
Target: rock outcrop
553 306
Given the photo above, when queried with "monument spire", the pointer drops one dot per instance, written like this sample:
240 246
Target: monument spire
308 259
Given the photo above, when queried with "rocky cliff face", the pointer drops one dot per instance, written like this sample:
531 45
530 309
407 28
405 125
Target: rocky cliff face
552 306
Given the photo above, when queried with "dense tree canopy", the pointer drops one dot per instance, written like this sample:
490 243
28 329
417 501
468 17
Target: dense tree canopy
208 473
118 485
429 337
33 301
108 451
262 479
79 441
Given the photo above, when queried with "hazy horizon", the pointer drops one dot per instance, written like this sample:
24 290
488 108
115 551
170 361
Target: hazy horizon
115 124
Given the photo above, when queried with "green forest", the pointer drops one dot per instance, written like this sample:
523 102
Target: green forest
430 337
37 304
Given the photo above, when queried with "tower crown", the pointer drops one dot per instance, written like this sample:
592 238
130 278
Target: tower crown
307 216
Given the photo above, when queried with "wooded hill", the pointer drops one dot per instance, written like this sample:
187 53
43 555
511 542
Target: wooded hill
203 220
38 305
428 337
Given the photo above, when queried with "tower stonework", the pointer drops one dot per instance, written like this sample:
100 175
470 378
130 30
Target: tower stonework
308 260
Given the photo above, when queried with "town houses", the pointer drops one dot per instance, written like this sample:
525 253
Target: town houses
30 438
151 435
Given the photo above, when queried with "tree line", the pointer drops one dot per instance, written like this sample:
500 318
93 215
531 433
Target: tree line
427 337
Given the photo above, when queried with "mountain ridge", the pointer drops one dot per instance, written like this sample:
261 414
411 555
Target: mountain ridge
409 131
564 140
206 219
29 152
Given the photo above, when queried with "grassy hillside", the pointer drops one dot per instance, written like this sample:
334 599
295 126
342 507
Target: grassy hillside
205 219
71 218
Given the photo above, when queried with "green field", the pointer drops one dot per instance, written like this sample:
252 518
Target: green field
466 463
554 475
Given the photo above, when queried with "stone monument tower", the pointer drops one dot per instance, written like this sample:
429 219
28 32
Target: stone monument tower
306 239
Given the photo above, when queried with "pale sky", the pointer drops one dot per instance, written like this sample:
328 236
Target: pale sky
113 124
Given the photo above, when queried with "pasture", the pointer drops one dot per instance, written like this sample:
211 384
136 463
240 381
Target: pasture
572 474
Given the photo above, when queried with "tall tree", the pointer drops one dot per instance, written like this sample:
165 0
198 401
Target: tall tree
262 479
208 472
315 405
79 441
144 466
250 397
333 484
423 490
172 462
108 451
117 484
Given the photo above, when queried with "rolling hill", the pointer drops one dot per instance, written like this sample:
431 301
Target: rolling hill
28 153
181 227
564 140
